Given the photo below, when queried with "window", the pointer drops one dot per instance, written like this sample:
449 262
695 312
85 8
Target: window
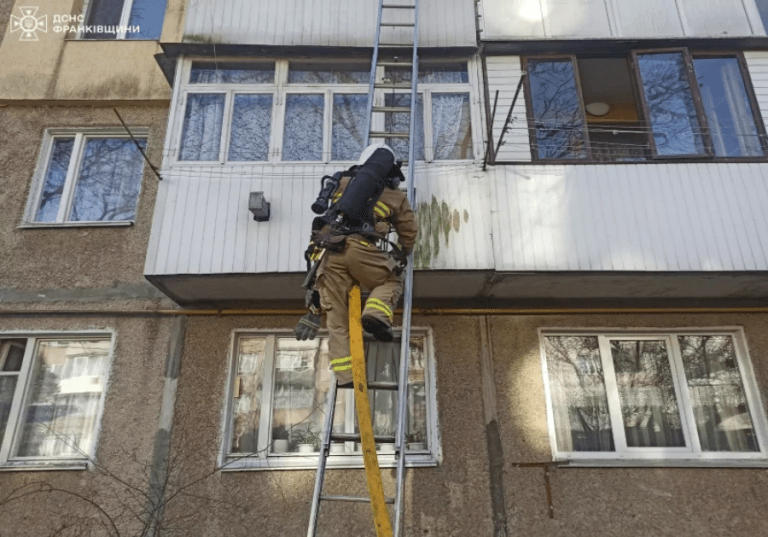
87 177
653 105
125 19
294 111
652 395
51 391
278 392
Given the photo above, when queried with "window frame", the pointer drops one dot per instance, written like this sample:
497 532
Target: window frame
665 456
281 88
65 207
264 460
21 401
688 56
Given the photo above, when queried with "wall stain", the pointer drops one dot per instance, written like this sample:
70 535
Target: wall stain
436 222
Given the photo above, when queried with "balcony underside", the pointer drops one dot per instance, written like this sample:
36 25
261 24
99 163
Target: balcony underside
493 289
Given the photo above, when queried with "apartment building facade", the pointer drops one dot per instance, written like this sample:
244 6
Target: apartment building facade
588 350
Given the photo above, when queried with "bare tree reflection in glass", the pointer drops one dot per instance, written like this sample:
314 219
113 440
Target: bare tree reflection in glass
558 120
55 176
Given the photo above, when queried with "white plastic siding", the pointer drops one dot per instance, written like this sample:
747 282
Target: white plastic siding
562 19
443 23
663 217
504 74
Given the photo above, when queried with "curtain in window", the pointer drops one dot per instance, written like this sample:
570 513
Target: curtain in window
109 180
720 406
61 414
348 136
251 125
578 394
55 176
246 407
648 402
400 122
201 135
232 73
726 105
558 118
673 117
303 134
451 126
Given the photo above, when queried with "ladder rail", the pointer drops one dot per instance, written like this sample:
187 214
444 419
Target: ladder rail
323 457
372 81
405 335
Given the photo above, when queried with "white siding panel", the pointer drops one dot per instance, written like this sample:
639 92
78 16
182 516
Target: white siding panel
325 22
504 74
757 64
576 18
665 217
715 17
511 18
649 18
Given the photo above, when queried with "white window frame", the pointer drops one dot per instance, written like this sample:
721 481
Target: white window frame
281 88
75 162
691 455
270 461
125 16
21 401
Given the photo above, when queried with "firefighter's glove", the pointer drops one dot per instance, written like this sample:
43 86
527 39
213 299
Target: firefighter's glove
307 326
402 261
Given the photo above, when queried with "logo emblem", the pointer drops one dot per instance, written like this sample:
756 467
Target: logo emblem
29 24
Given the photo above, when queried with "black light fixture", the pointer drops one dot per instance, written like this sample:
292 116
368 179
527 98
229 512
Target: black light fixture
259 206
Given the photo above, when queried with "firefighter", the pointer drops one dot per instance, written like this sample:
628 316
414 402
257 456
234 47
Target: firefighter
354 226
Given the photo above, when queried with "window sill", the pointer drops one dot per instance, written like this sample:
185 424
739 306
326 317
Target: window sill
49 225
309 462
667 463
37 466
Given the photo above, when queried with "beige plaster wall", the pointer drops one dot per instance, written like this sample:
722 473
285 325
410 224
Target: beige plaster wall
125 443
617 501
58 67
80 257
449 500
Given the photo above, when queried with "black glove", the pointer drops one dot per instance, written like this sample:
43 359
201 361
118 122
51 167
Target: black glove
402 260
307 326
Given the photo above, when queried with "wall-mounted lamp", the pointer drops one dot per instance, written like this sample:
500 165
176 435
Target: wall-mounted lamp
258 206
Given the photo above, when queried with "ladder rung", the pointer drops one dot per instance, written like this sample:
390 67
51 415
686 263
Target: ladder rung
391 85
355 437
382 385
377 134
392 109
394 6
395 64
360 499
398 24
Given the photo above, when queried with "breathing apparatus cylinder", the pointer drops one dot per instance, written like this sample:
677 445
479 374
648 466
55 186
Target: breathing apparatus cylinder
329 186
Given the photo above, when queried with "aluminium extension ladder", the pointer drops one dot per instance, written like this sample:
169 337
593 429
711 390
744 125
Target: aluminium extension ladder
378 502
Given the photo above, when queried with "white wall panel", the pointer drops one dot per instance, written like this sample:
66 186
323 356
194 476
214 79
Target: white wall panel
576 18
325 22
504 74
665 217
715 17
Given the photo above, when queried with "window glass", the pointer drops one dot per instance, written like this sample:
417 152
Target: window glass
55 177
558 120
729 114
647 394
109 180
232 73
314 73
251 126
148 16
400 122
104 13
11 356
578 394
246 411
447 73
201 135
61 411
451 126
303 134
348 127
720 407
673 117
